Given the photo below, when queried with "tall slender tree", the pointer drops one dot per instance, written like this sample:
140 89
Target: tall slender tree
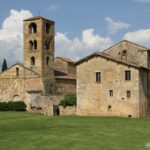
4 66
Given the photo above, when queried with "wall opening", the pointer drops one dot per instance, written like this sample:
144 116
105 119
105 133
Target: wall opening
98 76
127 75
16 98
32 61
47 28
17 71
56 111
110 93
130 116
47 44
32 28
33 45
128 94
47 60
109 108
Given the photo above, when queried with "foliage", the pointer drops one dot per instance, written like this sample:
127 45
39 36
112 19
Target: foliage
12 106
4 66
69 100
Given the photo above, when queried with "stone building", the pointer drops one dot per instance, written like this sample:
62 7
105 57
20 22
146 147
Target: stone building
115 82
42 80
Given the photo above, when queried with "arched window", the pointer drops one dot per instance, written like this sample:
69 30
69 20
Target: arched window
32 28
32 61
47 60
47 44
33 45
17 71
47 28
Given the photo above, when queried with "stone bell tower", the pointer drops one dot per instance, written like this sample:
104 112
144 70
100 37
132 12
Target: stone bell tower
39 48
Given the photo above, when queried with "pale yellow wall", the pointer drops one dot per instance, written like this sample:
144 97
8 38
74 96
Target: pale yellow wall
12 85
93 98
135 54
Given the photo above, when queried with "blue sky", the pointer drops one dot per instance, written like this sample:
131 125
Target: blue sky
82 26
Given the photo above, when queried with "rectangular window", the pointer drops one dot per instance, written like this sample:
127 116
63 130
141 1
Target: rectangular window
127 75
110 92
98 76
128 94
17 71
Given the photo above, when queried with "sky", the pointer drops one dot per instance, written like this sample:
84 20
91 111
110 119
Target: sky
82 26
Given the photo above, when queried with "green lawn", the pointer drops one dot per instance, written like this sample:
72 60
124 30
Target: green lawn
26 131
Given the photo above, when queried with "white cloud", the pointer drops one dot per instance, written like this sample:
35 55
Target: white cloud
11 40
11 36
113 27
141 36
142 1
79 47
52 8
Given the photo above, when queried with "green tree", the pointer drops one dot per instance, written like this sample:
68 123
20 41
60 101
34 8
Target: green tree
69 100
4 66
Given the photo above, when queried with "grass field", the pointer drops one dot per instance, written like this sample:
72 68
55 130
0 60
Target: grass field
25 131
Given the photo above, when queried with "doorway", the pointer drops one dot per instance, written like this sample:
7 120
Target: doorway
56 111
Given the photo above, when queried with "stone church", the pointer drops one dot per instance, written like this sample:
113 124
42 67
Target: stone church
42 80
115 82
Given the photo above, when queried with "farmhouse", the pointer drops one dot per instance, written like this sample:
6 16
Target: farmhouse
42 80
115 82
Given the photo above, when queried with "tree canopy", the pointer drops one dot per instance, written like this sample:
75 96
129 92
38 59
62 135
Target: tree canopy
4 66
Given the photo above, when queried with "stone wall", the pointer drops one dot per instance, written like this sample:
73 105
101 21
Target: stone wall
68 110
64 66
143 92
93 98
134 53
65 86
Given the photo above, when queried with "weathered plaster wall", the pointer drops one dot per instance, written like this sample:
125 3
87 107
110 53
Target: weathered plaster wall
93 98
68 110
143 92
135 54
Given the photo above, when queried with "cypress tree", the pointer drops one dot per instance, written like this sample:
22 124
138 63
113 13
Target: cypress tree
4 66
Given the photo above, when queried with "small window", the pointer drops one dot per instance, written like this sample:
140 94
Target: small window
98 76
47 28
33 45
33 28
127 75
47 60
32 61
109 108
17 71
128 94
47 44
110 92
124 52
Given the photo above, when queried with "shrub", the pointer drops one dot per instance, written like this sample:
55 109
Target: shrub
69 100
12 106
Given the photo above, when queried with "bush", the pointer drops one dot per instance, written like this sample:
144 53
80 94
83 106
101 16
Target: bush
13 106
69 100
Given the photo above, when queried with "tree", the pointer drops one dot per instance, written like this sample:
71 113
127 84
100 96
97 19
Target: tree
4 66
69 100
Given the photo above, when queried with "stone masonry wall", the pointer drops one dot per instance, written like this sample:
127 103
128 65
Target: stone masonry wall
93 98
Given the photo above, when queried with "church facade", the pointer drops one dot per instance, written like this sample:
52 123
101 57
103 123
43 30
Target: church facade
41 81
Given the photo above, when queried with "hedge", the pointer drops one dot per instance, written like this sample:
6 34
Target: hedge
13 106
69 100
